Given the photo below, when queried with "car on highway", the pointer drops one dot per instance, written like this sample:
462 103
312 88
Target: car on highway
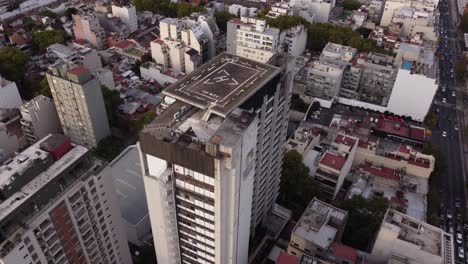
444 100
444 134
449 213
459 238
461 252
457 202
443 88
456 127
454 93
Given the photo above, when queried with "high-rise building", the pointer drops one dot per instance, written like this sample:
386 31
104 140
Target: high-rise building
86 27
79 102
127 15
212 160
39 118
58 205
252 39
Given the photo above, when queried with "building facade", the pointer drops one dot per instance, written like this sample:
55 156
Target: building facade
58 205
39 118
212 159
87 27
127 15
9 95
252 39
80 106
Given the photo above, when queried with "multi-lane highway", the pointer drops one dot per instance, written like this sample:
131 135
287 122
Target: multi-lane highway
448 135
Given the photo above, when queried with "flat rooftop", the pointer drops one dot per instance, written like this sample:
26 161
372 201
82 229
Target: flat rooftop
222 84
320 223
57 168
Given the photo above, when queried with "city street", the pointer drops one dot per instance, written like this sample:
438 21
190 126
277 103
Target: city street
448 136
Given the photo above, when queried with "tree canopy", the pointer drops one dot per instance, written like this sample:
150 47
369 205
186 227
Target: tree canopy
464 23
112 101
146 119
440 162
48 13
351 5
297 187
431 120
167 8
364 219
44 88
109 148
319 34
222 18
44 39
13 67
298 104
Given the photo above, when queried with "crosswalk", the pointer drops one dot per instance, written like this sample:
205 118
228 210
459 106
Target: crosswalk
447 105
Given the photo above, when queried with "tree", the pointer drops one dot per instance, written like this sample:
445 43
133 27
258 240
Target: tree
44 88
48 13
146 119
71 11
112 101
365 32
13 67
433 206
298 104
222 18
44 39
440 162
364 219
167 8
109 148
431 120
464 23
297 187
351 5
460 70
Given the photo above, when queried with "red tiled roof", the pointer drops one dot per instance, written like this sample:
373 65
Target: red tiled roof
78 70
159 41
383 171
391 127
401 201
80 41
333 161
343 139
124 44
344 252
404 149
285 258
417 133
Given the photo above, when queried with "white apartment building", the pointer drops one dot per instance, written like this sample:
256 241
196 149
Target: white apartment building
241 11
323 80
39 118
252 39
9 95
317 11
402 238
280 9
317 229
183 44
212 160
127 15
58 205
78 98
294 40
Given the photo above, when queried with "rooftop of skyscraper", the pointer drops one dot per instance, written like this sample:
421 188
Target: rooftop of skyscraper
222 84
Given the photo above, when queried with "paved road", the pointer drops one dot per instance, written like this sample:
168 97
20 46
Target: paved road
448 105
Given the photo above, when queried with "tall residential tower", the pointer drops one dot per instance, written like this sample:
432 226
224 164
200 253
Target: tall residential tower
79 102
212 160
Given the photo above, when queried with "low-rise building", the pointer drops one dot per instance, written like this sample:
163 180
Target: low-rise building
402 238
313 10
9 94
39 118
317 229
